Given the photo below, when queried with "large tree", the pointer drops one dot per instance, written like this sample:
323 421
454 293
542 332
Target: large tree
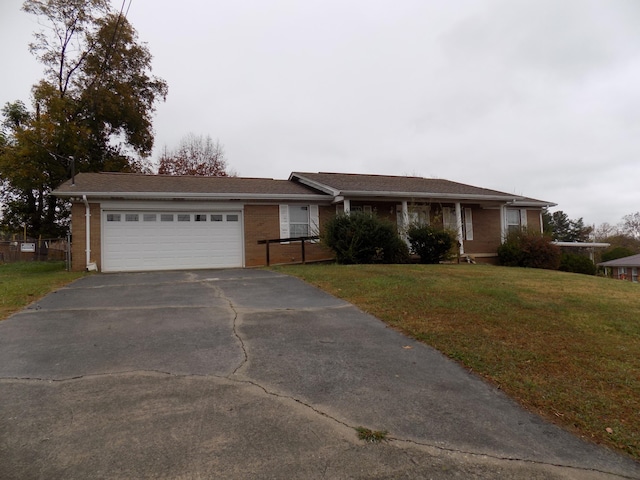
195 155
631 225
92 110
563 229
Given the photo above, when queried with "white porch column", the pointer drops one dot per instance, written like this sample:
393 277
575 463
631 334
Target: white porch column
403 222
405 214
459 227
347 206
503 226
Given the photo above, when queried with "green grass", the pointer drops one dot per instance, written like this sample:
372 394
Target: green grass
24 282
371 436
566 346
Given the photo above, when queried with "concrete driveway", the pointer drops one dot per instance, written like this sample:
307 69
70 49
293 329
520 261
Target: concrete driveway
251 374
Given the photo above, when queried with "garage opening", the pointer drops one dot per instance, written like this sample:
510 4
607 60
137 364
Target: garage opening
162 240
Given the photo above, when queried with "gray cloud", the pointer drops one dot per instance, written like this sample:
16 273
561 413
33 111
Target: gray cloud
532 97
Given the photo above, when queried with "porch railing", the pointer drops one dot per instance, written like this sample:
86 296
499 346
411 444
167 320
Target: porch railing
302 240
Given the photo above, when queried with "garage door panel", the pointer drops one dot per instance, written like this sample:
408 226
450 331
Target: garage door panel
145 244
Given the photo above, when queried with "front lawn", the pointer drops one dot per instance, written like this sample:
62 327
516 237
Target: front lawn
24 282
566 346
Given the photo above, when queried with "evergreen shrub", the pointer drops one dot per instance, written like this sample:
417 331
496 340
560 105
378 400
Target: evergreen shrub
577 263
431 244
364 238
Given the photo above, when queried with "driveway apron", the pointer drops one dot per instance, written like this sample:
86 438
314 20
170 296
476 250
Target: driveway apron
252 374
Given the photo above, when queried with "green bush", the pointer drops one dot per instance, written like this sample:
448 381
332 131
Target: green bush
364 238
531 250
576 263
431 244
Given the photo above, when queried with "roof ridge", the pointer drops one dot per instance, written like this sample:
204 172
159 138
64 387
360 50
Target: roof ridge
166 175
369 175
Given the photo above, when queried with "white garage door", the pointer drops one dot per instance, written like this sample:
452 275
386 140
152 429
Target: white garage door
146 240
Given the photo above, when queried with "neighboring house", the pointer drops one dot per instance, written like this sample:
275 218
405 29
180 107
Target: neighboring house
623 268
135 222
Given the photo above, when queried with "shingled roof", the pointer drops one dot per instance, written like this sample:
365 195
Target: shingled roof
632 261
387 185
300 186
167 186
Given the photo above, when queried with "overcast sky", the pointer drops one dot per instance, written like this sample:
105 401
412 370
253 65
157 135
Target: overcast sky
534 97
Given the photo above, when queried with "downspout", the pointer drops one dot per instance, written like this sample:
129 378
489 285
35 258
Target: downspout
91 267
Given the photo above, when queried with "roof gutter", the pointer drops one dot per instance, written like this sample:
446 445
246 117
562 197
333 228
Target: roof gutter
452 196
195 196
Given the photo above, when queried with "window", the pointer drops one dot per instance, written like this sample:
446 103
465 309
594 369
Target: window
199 218
419 214
113 217
149 217
298 220
362 208
131 217
622 273
634 274
232 218
513 220
184 217
216 217
166 217
449 220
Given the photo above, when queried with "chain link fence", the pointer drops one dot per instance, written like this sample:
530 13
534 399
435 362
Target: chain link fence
36 250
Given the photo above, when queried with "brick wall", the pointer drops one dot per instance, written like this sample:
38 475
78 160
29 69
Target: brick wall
78 239
262 222
533 221
486 230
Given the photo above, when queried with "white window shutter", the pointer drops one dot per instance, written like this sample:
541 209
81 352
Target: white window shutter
284 221
468 224
314 220
523 218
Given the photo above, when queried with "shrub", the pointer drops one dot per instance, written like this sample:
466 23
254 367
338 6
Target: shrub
364 238
576 263
532 250
431 244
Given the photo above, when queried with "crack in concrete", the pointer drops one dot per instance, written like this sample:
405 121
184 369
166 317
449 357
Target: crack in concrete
318 412
503 458
191 278
39 309
233 378
220 294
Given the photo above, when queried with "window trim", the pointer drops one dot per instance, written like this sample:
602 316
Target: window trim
468 223
285 220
